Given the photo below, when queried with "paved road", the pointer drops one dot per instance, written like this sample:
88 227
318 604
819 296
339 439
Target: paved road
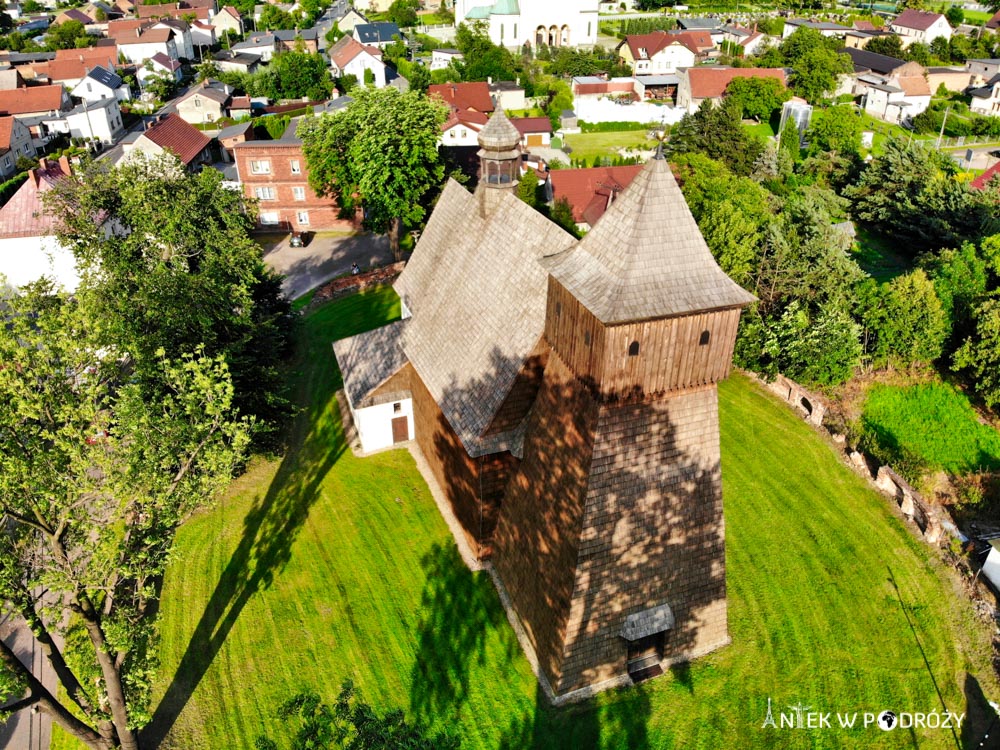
325 257
26 730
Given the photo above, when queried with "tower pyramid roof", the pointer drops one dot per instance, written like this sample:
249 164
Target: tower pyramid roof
499 134
646 258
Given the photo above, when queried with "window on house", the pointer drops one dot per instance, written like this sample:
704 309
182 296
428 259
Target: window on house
269 217
197 102
465 132
294 165
299 193
89 88
706 336
260 167
633 349
264 193
302 217
452 134
397 407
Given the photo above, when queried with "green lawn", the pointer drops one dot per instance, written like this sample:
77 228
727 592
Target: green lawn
323 566
589 145
878 257
932 422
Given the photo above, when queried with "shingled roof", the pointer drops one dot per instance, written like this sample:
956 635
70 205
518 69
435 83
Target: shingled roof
173 134
921 20
477 266
369 359
472 95
646 258
24 215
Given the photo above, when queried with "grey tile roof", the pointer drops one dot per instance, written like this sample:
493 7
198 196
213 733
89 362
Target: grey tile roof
369 359
477 294
646 257
377 33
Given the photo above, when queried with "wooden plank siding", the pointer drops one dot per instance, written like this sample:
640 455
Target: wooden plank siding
671 356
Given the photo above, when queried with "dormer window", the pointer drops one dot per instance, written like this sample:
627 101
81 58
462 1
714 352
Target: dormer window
643 53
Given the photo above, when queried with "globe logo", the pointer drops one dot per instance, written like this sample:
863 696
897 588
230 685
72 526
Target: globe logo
886 721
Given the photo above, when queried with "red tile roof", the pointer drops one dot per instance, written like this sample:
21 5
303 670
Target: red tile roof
656 41
463 95
527 125
32 99
865 26
105 55
6 131
125 26
591 191
710 83
982 180
73 14
148 36
24 215
921 20
172 133
468 117
994 22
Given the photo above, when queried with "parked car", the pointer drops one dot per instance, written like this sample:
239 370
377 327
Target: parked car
300 239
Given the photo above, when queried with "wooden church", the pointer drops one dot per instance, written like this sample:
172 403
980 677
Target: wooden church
563 392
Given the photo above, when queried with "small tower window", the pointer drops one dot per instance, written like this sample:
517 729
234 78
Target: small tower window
558 309
706 336
586 338
633 349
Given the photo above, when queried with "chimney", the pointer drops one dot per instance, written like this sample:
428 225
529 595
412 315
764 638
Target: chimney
65 166
33 176
489 80
138 32
43 164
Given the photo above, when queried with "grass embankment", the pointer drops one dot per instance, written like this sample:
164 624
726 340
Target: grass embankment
323 566
928 426
590 145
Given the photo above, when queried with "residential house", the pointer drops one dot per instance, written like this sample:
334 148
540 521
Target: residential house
73 14
98 9
985 100
442 58
202 37
287 40
15 142
144 44
535 131
920 26
180 31
698 84
378 34
982 69
274 172
205 102
994 22
872 62
181 11
171 134
35 100
555 23
463 96
70 66
29 249
228 60
159 65
661 52
101 83
267 44
748 41
590 192
462 128
228 19
350 19
825 28
229 137
895 98
348 57
372 6
506 94
96 120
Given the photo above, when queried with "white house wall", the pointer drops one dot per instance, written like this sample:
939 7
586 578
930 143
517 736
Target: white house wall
579 16
374 423
27 259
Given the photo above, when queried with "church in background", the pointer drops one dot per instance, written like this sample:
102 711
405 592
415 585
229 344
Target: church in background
512 23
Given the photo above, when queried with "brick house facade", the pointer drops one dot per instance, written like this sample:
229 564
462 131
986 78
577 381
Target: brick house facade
274 172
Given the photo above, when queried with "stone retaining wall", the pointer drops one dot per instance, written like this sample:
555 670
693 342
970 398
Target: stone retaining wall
345 285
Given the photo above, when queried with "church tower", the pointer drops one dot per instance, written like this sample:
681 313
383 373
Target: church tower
499 158
610 540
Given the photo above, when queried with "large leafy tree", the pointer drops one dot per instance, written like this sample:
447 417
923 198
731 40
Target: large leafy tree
979 355
718 133
170 265
835 129
906 322
380 153
816 64
94 480
293 75
758 97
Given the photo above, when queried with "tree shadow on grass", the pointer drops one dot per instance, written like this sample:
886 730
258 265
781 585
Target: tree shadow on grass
270 528
981 728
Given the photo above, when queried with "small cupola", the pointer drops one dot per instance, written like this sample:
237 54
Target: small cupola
499 152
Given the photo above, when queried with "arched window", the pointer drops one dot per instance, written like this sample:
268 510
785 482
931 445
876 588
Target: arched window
553 36
633 349
565 36
540 36
706 336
